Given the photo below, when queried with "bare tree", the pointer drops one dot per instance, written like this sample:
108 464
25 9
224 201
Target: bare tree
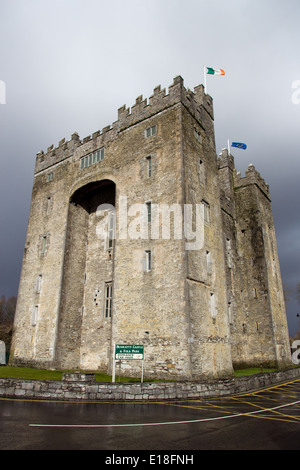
298 292
7 309
287 293
7 313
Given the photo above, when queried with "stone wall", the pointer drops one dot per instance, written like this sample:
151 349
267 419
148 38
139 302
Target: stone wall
83 387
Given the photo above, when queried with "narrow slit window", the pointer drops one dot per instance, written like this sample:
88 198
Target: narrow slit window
148 260
201 171
229 252
111 230
208 262
213 305
197 135
43 245
206 211
49 177
35 313
48 205
148 204
38 284
108 299
230 316
149 166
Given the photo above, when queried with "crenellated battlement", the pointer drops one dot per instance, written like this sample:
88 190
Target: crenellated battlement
252 176
199 104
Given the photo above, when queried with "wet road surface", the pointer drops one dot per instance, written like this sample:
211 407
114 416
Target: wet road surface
267 419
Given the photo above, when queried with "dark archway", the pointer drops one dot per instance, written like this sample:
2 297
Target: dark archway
87 268
93 194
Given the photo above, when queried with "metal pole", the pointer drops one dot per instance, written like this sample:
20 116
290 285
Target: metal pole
114 365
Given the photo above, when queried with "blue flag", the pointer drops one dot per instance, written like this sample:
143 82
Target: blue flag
239 145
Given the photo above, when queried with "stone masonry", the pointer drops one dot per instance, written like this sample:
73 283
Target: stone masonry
141 234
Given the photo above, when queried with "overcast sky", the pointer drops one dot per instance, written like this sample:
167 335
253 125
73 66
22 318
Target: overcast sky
68 65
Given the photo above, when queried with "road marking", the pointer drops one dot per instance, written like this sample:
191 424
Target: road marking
166 423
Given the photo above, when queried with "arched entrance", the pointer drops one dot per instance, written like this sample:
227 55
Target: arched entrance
84 325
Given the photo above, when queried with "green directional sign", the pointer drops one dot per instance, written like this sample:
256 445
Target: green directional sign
129 352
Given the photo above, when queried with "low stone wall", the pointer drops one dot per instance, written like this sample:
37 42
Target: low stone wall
79 386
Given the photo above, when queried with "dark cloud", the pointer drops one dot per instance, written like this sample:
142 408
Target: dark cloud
69 65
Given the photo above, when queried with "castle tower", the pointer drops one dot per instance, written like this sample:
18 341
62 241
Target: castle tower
126 244
263 320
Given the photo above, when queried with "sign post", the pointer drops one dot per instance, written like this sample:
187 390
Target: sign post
128 352
114 365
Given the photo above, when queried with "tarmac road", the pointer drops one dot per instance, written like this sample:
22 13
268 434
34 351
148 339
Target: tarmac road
267 419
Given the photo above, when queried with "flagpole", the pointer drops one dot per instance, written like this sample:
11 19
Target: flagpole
228 147
204 79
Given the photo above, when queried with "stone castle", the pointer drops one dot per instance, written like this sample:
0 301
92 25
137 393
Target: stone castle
141 234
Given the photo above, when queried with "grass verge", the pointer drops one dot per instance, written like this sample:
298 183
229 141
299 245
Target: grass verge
242 372
40 374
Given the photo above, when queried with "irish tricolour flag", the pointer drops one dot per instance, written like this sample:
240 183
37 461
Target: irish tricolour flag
211 71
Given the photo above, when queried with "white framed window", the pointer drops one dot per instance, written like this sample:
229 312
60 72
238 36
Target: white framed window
151 131
92 158
107 299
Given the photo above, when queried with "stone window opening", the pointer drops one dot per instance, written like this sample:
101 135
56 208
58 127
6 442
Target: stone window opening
208 263
151 131
202 172
49 177
148 205
34 317
44 241
38 284
111 233
230 315
149 166
148 260
108 299
206 211
92 158
197 135
213 310
48 205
